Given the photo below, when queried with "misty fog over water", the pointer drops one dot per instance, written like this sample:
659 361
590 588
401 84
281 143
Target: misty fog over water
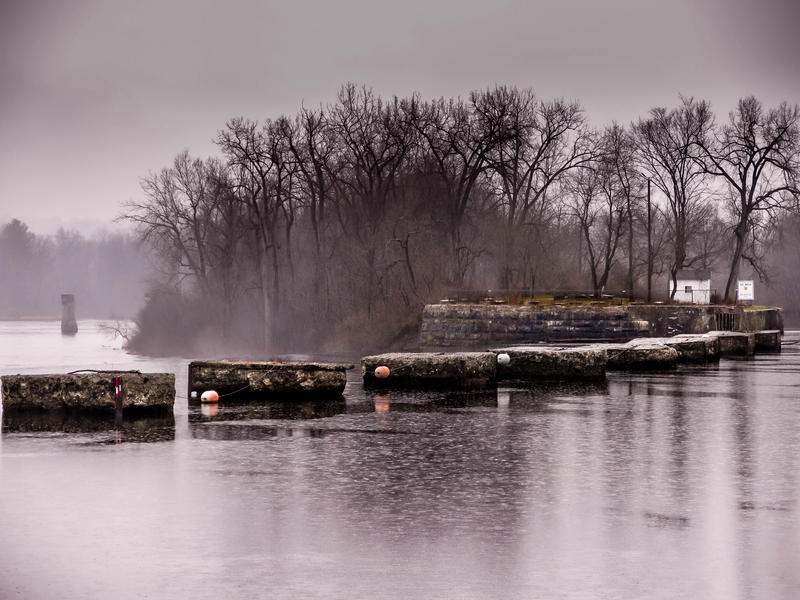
666 485
107 272
259 179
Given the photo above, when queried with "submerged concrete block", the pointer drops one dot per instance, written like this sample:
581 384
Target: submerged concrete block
640 356
543 362
455 370
89 391
737 343
768 341
240 381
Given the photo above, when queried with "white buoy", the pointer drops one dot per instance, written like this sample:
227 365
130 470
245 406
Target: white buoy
503 359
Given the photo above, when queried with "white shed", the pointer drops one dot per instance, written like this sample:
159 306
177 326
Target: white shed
694 286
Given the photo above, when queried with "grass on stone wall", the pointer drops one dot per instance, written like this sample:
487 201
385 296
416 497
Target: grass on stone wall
549 300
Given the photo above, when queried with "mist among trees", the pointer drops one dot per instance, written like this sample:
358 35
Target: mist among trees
107 273
332 227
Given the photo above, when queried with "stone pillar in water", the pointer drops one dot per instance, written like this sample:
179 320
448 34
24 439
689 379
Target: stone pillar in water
69 326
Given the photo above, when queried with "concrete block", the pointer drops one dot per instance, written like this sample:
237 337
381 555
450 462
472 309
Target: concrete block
89 391
735 343
768 341
690 347
453 370
243 381
640 356
548 362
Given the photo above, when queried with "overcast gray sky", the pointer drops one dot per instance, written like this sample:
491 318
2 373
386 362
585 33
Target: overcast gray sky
96 93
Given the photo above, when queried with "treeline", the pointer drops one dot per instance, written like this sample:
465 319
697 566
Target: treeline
335 225
106 272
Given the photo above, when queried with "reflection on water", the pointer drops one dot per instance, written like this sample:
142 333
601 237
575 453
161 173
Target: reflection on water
540 397
245 421
131 428
267 410
254 431
647 485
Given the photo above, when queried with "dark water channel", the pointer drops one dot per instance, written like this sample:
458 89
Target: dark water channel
665 485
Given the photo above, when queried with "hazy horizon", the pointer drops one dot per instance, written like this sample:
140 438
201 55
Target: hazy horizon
96 95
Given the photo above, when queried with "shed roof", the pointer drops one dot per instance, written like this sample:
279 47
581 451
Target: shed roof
694 274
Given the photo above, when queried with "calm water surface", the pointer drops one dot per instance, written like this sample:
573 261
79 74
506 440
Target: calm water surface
669 485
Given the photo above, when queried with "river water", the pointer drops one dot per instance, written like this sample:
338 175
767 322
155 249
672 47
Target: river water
650 485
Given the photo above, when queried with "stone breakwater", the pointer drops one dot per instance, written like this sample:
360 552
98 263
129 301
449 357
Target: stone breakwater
474 325
533 363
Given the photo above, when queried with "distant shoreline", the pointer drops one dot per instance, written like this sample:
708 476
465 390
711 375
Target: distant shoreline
58 318
33 318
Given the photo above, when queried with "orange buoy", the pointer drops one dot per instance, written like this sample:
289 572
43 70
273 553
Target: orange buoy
382 372
209 397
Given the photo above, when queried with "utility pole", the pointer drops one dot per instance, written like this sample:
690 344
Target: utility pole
649 249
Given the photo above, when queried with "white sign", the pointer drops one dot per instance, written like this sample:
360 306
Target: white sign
746 290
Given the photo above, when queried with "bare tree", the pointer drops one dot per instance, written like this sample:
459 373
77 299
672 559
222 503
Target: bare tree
227 239
757 154
599 204
456 145
619 147
191 215
376 138
265 171
539 142
175 215
314 145
667 154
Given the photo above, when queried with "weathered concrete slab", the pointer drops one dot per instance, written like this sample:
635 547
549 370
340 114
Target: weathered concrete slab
690 347
454 370
735 343
89 391
242 381
543 362
639 356
768 341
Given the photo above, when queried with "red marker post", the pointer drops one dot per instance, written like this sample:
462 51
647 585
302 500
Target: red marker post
118 397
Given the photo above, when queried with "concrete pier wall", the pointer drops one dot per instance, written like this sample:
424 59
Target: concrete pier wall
474 325
761 320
